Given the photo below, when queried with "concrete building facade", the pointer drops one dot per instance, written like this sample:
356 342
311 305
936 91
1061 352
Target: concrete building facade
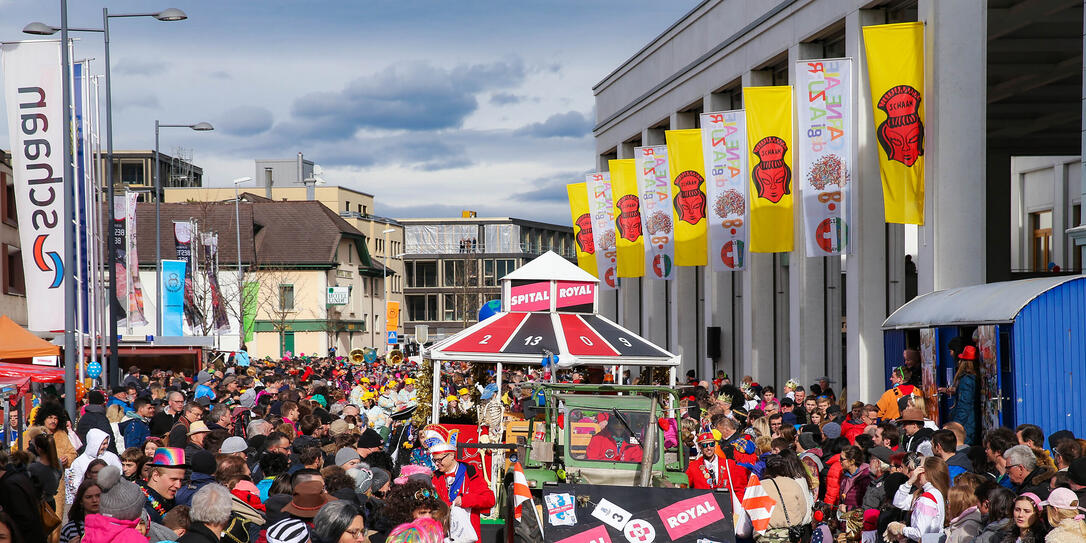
12 287
1046 201
1003 78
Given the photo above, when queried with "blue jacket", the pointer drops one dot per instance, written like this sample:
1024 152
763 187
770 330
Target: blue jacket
185 493
135 431
965 407
127 406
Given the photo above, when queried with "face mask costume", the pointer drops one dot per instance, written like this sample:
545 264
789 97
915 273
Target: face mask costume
771 175
628 222
584 234
690 201
901 134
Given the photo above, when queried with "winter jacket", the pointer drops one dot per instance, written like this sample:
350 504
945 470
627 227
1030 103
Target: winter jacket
195 483
113 400
135 430
103 529
964 410
993 532
965 527
474 494
854 486
94 416
852 428
928 510
1069 531
198 533
725 468
1037 482
95 437
958 464
162 422
875 494
833 480
20 500
912 443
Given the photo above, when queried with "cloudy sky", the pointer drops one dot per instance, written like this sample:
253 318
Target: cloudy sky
433 106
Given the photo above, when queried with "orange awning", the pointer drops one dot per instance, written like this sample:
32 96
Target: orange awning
16 342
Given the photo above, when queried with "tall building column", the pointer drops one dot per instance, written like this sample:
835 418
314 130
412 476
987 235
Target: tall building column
719 295
807 315
683 303
629 294
953 238
865 280
759 327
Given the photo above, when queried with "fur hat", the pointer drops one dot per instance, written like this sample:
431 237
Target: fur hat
121 499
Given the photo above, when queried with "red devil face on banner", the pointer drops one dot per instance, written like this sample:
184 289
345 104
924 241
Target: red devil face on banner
628 222
690 201
902 133
584 234
771 175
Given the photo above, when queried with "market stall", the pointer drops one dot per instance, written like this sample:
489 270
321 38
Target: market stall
17 345
1031 340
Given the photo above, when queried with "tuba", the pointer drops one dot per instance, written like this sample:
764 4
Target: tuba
395 356
357 356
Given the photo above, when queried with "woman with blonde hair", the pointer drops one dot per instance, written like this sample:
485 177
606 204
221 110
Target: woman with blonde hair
923 495
1065 517
963 510
115 414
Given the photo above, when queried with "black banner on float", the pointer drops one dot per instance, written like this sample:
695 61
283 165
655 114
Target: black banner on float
614 514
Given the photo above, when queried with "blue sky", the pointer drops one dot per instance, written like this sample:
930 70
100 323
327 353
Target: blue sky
432 106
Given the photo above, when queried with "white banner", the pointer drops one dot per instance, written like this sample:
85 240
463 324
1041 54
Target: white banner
33 94
136 315
824 140
654 188
603 227
724 144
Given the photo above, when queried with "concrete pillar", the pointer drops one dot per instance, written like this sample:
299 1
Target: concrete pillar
683 294
654 310
758 295
629 294
866 267
952 240
807 325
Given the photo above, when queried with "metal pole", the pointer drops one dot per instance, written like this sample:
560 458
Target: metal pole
384 279
241 295
69 218
158 244
111 255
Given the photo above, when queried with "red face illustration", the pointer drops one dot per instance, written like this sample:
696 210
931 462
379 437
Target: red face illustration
584 234
628 222
771 175
901 134
690 201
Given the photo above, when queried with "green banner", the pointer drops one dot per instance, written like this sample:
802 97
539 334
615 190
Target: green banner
248 308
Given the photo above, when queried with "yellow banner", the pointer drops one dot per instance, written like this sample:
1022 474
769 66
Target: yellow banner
392 316
582 227
687 168
631 243
895 67
769 134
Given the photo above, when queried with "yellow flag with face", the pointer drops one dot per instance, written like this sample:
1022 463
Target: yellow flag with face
582 227
629 238
769 135
687 169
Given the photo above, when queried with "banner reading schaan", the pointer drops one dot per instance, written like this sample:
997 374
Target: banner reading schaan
33 94
724 143
654 188
824 142
650 515
173 296
602 209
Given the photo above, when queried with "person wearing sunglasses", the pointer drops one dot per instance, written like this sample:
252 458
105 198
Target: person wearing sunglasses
461 485
709 470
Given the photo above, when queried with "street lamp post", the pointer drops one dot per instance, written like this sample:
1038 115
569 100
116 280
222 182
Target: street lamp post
41 29
241 295
199 127
384 279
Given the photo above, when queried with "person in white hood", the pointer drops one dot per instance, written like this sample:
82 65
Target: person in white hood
97 447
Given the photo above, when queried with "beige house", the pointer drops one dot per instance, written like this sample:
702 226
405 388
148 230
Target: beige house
12 289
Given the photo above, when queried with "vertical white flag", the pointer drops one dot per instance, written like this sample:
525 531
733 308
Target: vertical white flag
824 140
33 94
724 144
654 189
602 209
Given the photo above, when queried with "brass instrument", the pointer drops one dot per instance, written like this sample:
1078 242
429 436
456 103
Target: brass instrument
395 356
357 356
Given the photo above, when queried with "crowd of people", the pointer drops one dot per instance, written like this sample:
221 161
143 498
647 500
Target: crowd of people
323 450
884 471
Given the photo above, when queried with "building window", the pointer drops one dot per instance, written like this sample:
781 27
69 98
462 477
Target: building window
132 173
7 200
350 256
454 273
421 273
421 307
451 308
1041 226
286 297
348 208
11 259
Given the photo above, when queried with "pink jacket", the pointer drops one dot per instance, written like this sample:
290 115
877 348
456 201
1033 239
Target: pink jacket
103 529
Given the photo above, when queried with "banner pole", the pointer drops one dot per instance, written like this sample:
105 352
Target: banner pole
69 213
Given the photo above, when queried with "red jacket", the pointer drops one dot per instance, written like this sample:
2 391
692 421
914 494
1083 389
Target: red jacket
833 480
603 447
850 429
474 494
739 475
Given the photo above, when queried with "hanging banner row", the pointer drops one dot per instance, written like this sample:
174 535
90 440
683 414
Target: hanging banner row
715 193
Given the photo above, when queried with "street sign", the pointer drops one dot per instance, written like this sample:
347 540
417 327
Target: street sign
392 340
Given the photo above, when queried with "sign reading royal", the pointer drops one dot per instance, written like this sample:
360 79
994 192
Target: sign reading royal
32 91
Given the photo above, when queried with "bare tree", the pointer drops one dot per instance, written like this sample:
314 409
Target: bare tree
276 299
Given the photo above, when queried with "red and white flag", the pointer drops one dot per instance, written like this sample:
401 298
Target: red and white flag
523 494
757 504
